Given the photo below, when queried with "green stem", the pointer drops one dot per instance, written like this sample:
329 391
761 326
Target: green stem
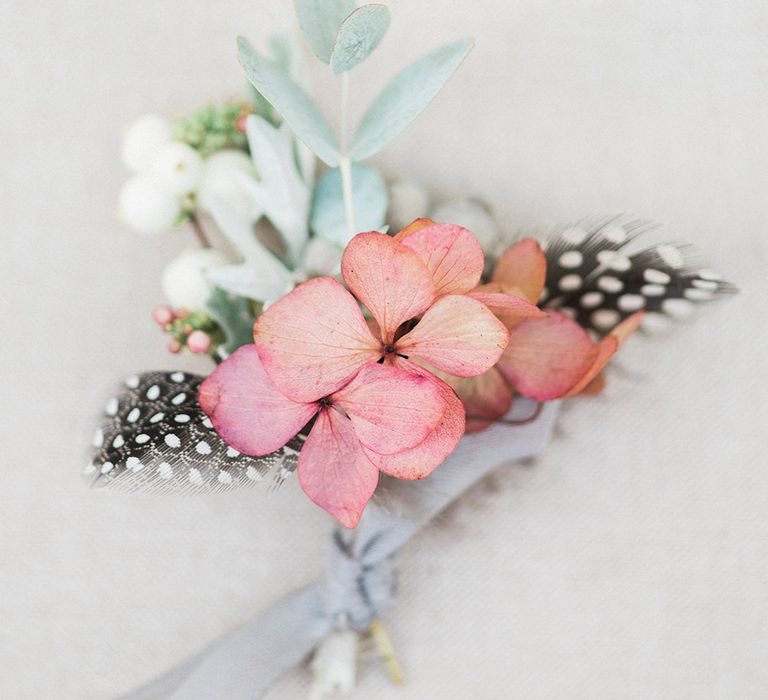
197 227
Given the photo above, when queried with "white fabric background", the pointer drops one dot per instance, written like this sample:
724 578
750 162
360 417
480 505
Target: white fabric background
628 562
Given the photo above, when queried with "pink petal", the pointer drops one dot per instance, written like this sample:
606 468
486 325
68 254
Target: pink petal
333 470
486 398
389 278
458 335
314 340
509 309
524 265
606 349
390 409
246 408
420 461
453 255
547 356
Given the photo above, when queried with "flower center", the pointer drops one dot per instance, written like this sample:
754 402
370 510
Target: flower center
325 402
389 349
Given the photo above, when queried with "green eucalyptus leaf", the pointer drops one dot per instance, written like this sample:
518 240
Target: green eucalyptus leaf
234 316
320 21
369 195
288 98
405 98
358 36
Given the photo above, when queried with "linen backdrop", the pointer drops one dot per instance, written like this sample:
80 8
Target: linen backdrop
628 561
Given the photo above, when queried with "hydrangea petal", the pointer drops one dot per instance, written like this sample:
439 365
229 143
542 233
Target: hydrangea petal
247 409
389 278
547 356
390 409
606 349
333 469
314 340
523 265
452 254
420 461
458 335
413 227
486 398
508 308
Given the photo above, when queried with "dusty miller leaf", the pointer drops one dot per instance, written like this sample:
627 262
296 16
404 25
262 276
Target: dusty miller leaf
261 276
281 193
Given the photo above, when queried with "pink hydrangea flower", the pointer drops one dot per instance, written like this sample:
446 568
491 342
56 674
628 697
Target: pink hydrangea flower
382 411
316 355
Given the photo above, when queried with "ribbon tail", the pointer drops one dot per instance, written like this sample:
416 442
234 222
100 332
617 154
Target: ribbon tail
245 663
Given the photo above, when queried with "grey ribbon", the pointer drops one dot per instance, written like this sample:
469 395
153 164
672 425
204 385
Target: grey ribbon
245 663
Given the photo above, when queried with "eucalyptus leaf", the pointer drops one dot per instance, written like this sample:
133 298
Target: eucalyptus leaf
234 315
358 36
293 103
405 98
320 21
369 195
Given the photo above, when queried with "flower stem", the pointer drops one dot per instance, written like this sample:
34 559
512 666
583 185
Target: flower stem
345 165
197 227
387 652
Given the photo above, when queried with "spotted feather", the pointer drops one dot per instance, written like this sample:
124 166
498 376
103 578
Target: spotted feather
593 275
154 437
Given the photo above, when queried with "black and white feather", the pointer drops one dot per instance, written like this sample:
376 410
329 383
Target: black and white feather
597 275
154 437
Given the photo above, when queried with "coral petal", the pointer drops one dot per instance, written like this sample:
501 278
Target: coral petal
508 308
523 265
595 387
247 409
453 255
485 398
333 469
420 461
547 356
389 278
314 340
606 349
390 409
457 335
413 227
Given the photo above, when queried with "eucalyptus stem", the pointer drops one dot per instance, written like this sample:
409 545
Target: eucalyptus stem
345 165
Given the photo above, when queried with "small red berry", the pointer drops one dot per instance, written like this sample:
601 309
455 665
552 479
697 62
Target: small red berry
163 315
199 342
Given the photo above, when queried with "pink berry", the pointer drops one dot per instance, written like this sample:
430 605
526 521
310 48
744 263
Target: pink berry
181 313
199 342
186 329
240 123
174 346
163 315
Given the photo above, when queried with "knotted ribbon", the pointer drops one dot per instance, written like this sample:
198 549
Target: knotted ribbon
359 586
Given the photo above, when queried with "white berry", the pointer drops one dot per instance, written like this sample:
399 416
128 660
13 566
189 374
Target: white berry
178 167
146 206
143 139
